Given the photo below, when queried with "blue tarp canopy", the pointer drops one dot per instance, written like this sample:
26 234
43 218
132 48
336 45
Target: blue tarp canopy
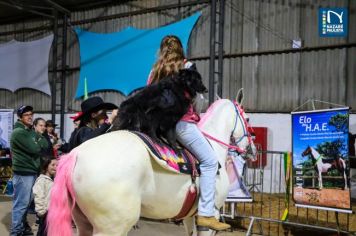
122 61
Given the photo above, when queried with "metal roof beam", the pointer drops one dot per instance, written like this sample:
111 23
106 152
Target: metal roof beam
23 8
142 11
59 7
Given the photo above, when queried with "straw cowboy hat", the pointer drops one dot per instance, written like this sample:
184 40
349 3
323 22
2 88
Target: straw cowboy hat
94 104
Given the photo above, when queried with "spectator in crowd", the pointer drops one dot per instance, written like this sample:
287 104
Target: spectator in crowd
26 147
52 137
94 120
39 126
76 121
41 192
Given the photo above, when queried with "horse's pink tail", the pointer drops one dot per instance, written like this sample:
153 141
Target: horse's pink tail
59 218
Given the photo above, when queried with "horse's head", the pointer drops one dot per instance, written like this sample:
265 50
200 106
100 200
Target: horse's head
242 133
307 151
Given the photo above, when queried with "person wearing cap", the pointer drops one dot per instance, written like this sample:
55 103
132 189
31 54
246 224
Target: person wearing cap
26 147
93 120
76 121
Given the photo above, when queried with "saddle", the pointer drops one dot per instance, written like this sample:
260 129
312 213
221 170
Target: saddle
182 161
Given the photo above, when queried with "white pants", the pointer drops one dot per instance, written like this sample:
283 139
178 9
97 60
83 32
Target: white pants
191 137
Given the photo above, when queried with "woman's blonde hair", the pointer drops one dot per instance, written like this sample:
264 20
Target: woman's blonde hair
170 60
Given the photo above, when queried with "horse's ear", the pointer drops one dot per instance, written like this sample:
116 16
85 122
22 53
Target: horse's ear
240 96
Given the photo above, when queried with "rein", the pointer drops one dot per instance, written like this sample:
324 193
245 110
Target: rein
238 149
317 159
240 115
246 133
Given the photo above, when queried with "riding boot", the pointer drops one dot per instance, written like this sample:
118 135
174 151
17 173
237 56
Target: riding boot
211 222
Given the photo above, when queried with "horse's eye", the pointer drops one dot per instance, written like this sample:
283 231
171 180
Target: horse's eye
248 120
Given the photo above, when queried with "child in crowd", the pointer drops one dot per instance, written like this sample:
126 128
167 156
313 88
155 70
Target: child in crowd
52 137
41 191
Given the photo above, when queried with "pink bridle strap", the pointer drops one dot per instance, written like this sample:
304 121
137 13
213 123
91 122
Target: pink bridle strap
238 149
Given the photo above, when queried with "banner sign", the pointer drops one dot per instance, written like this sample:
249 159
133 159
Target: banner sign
6 124
237 191
320 158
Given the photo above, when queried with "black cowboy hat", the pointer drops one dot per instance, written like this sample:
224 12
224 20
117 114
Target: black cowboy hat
94 104
50 123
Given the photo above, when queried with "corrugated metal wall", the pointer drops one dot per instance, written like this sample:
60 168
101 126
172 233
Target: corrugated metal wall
276 82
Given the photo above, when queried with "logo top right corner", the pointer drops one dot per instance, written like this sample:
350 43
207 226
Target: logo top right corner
333 22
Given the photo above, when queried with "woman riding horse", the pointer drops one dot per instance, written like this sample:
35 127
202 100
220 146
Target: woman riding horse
171 59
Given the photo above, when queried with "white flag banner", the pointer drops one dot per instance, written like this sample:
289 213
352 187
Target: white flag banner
25 65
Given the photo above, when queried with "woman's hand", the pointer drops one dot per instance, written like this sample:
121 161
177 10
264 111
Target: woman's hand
113 116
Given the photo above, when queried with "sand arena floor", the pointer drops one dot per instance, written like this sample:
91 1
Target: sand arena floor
145 227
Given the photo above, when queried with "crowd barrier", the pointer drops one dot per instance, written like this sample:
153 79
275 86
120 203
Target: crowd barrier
264 214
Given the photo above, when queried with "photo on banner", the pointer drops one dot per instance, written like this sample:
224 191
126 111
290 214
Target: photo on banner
320 158
6 125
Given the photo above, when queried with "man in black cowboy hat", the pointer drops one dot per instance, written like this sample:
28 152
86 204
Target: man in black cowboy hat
93 120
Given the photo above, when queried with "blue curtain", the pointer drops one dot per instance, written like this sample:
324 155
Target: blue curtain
121 61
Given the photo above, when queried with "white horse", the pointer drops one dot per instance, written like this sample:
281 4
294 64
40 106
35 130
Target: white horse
111 181
322 167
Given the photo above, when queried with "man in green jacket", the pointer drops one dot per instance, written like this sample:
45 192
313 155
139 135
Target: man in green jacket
26 147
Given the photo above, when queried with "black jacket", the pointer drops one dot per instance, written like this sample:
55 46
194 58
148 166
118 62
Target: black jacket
85 133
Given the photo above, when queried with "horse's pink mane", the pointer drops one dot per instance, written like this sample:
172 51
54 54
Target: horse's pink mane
209 112
59 218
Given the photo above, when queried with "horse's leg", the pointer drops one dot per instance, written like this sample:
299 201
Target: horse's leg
117 218
320 180
343 167
114 208
320 170
189 225
82 223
